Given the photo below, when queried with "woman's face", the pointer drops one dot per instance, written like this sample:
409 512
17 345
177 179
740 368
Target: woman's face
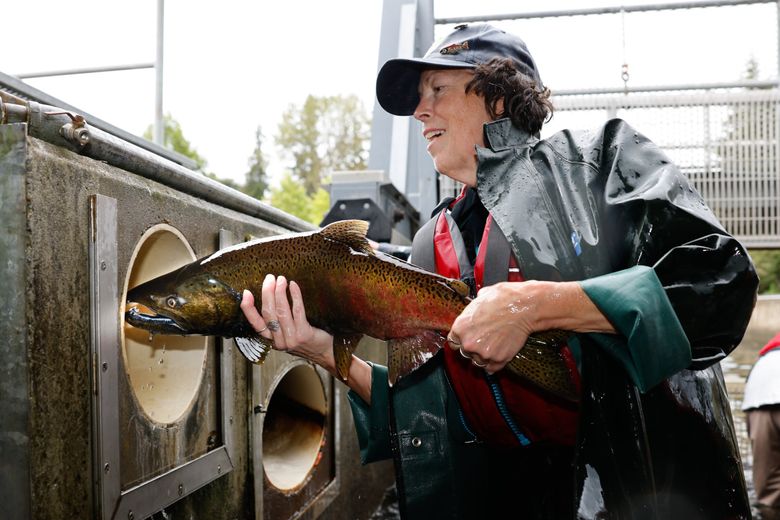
452 122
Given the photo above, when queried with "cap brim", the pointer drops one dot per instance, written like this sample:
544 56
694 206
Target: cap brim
398 81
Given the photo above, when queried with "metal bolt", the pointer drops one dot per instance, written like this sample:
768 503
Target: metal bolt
181 489
219 469
103 266
82 136
105 366
106 467
231 419
416 442
130 515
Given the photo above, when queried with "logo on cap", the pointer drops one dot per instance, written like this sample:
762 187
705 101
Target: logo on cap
455 48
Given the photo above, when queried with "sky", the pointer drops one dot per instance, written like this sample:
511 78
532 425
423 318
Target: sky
232 66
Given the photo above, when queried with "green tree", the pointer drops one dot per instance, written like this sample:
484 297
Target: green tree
325 134
173 139
767 262
256 179
291 197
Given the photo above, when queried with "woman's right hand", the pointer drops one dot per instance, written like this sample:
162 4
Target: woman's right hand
291 331
287 325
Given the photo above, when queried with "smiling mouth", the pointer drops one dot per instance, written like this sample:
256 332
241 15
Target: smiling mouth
430 135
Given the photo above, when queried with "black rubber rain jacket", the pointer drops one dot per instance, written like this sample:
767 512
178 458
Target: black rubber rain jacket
656 437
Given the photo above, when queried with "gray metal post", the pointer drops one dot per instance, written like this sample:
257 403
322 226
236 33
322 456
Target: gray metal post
397 146
159 131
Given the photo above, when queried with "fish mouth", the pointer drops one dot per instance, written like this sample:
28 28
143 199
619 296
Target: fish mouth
153 322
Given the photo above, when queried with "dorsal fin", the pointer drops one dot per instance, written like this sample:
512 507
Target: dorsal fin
349 232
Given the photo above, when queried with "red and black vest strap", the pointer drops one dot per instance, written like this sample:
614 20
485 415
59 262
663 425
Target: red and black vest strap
492 268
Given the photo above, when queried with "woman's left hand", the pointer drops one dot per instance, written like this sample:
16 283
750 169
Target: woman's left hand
495 325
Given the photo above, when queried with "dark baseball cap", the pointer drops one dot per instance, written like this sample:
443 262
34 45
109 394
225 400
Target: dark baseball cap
466 47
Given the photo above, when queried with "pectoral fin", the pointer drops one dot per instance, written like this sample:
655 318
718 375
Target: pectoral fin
255 347
343 347
408 354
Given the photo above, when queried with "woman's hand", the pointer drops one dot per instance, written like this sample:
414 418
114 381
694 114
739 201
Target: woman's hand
494 326
287 325
291 331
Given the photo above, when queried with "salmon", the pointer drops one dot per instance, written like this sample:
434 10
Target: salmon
349 290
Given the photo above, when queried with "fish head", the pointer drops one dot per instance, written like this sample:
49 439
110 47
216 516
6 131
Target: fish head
183 303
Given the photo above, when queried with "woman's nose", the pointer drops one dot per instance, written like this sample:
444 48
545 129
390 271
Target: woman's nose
422 110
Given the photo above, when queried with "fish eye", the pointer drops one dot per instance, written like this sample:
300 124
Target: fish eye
171 301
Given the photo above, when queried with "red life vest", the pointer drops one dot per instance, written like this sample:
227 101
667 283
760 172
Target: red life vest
771 345
534 416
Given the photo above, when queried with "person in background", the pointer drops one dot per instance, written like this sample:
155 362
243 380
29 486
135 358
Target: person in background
597 233
761 404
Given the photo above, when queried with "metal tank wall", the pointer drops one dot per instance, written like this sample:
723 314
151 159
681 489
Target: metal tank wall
80 438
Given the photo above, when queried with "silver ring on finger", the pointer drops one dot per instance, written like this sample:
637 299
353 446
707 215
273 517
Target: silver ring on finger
273 326
464 354
478 364
263 329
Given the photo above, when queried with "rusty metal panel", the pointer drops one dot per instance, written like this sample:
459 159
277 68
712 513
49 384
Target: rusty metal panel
14 366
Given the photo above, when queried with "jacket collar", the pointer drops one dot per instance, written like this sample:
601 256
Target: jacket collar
502 135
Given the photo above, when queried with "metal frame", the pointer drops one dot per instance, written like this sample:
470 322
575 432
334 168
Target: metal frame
622 9
262 397
159 492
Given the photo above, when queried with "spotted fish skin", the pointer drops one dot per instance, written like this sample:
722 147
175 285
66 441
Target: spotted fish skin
348 289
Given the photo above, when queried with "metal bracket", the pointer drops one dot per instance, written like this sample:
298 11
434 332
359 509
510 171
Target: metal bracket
163 490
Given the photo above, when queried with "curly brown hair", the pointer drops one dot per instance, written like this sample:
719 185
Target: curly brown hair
524 103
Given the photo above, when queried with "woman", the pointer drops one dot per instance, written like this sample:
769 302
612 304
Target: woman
614 245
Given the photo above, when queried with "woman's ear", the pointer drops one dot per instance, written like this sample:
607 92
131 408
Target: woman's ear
498 108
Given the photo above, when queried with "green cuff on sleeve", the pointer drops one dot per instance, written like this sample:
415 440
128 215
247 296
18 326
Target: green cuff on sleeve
372 421
652 344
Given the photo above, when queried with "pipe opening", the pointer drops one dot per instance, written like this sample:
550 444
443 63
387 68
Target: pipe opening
294 428
165 372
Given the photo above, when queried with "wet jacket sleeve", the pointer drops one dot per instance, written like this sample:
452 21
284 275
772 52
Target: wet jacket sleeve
664 224
371 421
636 304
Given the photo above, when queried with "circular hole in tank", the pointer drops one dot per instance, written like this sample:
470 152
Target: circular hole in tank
165 371
294 428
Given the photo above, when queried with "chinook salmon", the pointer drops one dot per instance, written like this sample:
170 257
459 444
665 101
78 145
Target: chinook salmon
349 290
